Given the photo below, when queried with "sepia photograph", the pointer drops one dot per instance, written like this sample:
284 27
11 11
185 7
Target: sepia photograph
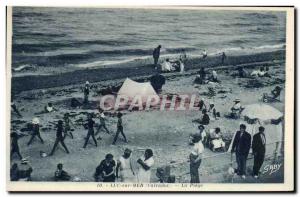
150 99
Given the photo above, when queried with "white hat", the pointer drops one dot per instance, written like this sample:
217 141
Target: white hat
87 83
237 100
35 120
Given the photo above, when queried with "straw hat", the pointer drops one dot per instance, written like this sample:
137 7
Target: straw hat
35 120
87 83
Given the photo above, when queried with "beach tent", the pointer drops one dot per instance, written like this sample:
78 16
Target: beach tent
132 89
273 132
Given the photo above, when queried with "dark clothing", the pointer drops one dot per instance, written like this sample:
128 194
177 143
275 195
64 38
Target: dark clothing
59 139
61 175
205 120
194 169
156 53
90 133
202 105
157 81
86 94
105 168
241 161
35 132
275 93
223 58
119 130
16 174
15 147
241 145
259 150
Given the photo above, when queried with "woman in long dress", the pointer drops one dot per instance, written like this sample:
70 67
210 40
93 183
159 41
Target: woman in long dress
195 159
124 168
145 162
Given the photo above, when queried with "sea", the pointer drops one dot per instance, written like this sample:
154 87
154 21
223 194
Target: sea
53 39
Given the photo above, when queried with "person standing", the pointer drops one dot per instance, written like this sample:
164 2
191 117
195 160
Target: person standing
259 150
223 57
156 53
35 131
124 168
90 126
202 74
145 162
102 123
105 172
14 145
86 92
67 129
241 146
119 129
59 138
195 159
60 174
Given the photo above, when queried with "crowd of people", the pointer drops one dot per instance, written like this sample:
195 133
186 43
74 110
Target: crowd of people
122 169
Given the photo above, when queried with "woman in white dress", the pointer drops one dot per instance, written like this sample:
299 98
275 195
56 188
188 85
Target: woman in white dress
124 168
145 162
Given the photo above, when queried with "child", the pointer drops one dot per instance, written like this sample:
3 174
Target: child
119 129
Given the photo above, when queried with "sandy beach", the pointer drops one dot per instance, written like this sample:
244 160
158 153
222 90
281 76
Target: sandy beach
166 133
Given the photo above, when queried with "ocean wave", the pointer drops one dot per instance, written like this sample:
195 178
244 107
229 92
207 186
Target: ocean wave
42 47
76 58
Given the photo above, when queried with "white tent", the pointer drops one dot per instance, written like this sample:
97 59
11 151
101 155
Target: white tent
273 132
132 89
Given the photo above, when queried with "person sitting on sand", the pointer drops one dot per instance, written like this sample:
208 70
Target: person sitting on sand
21 174
157 81
202 104
60 174
49 108
214 77
119 129
213 110
67 129
216 139
274 96
236 109
35 131
205 118
167 66
105 171
241 72
86 92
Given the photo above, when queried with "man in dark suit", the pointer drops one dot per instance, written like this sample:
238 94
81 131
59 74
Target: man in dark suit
241 146
156 53
259 150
